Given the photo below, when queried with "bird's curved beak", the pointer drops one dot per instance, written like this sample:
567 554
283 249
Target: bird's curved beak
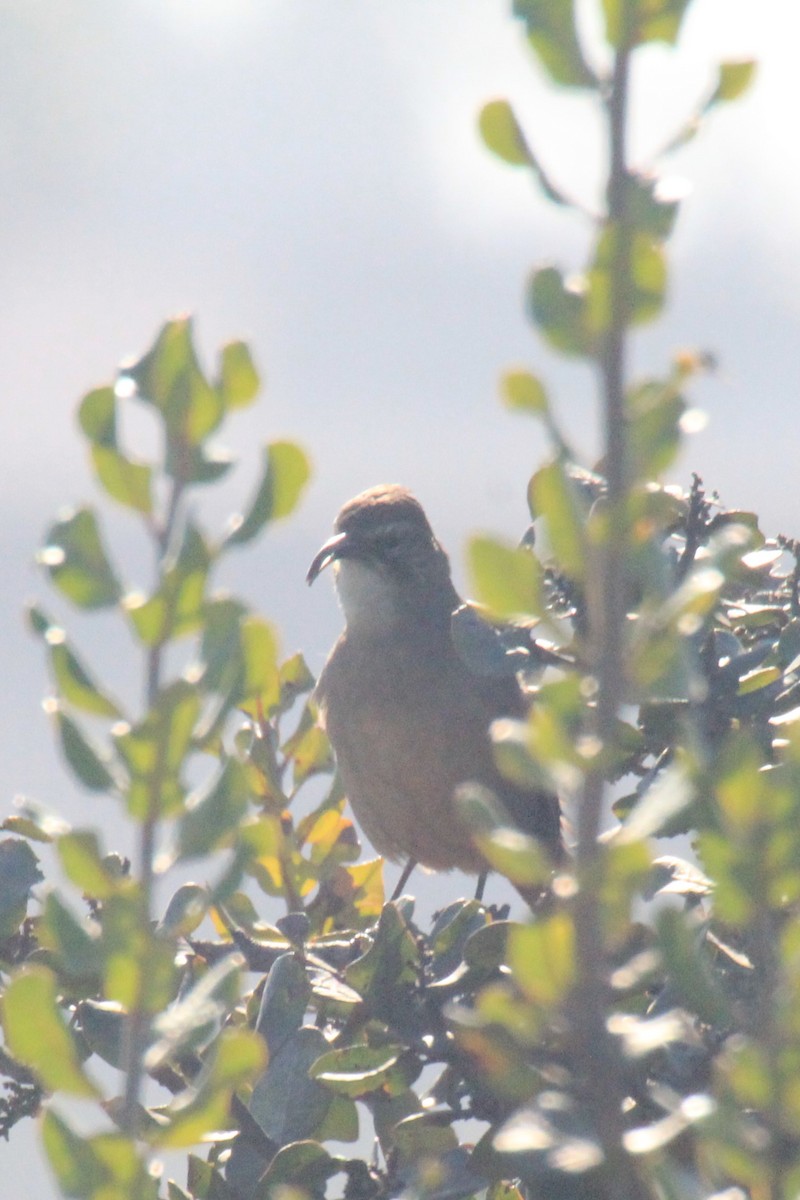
334 548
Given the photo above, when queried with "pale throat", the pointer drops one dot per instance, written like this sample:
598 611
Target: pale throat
368 598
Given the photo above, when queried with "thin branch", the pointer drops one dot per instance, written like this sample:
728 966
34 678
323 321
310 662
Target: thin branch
599 1057
138 1026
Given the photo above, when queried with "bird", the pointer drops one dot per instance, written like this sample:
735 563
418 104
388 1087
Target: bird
407 712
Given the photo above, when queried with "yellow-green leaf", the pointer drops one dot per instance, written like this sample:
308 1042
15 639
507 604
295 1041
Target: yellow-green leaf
37 1033
523 392
239 381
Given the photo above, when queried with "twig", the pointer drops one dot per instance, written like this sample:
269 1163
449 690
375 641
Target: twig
599 1060
138 1025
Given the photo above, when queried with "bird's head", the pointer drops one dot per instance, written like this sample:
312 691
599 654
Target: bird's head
387 561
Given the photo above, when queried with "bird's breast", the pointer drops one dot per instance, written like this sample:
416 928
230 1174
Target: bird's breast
408 725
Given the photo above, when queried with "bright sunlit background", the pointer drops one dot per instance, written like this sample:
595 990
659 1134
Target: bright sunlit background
308 176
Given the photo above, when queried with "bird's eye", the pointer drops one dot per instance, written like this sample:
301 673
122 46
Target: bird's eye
389 541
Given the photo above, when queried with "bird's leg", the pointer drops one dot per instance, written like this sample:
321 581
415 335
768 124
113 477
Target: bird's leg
480 886
403 880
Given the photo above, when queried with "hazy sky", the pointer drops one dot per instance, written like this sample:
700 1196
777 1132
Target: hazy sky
307 175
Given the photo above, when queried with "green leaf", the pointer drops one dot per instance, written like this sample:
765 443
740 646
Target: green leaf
662 810
74 681
296 679
124 479
19 872
505 848
186 909
789 642
154 751
648 278
238 377
76 685
553 36
428 1136
735 77
221 647
340 1123
91 766
655 412
177 607
497 1059
523 392
103 1025
501 133
542 958
641 288
308 749
688 970
391 962
140 967
750 1074
450 931
387 1111
192 1020
169 377
633 22
553 496
174 1192
198 464
37 1033
79 1171
300 1169
34 822
213 816
77 563
626 871
237 1057
74 942
359 1070
651 207
97 415
285 474
261 685
289 1105
507 579
558 309
84 864
487 948
284 1002
756 680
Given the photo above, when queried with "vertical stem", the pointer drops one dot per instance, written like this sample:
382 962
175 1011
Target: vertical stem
608 611
138 1025
600 1063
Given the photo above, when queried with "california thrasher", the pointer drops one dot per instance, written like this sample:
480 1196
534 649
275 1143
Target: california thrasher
407 714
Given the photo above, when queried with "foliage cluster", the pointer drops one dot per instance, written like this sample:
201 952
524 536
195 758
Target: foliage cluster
608 1046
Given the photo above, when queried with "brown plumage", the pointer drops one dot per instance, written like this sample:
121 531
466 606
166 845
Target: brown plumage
407 716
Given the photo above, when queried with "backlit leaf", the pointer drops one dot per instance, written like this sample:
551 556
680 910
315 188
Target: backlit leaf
77 563
37 1033
553 36
285 473
238 377
507 579
523 392
558 308
123 478
501 133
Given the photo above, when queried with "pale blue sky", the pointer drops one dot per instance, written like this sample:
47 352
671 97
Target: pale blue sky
307 175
